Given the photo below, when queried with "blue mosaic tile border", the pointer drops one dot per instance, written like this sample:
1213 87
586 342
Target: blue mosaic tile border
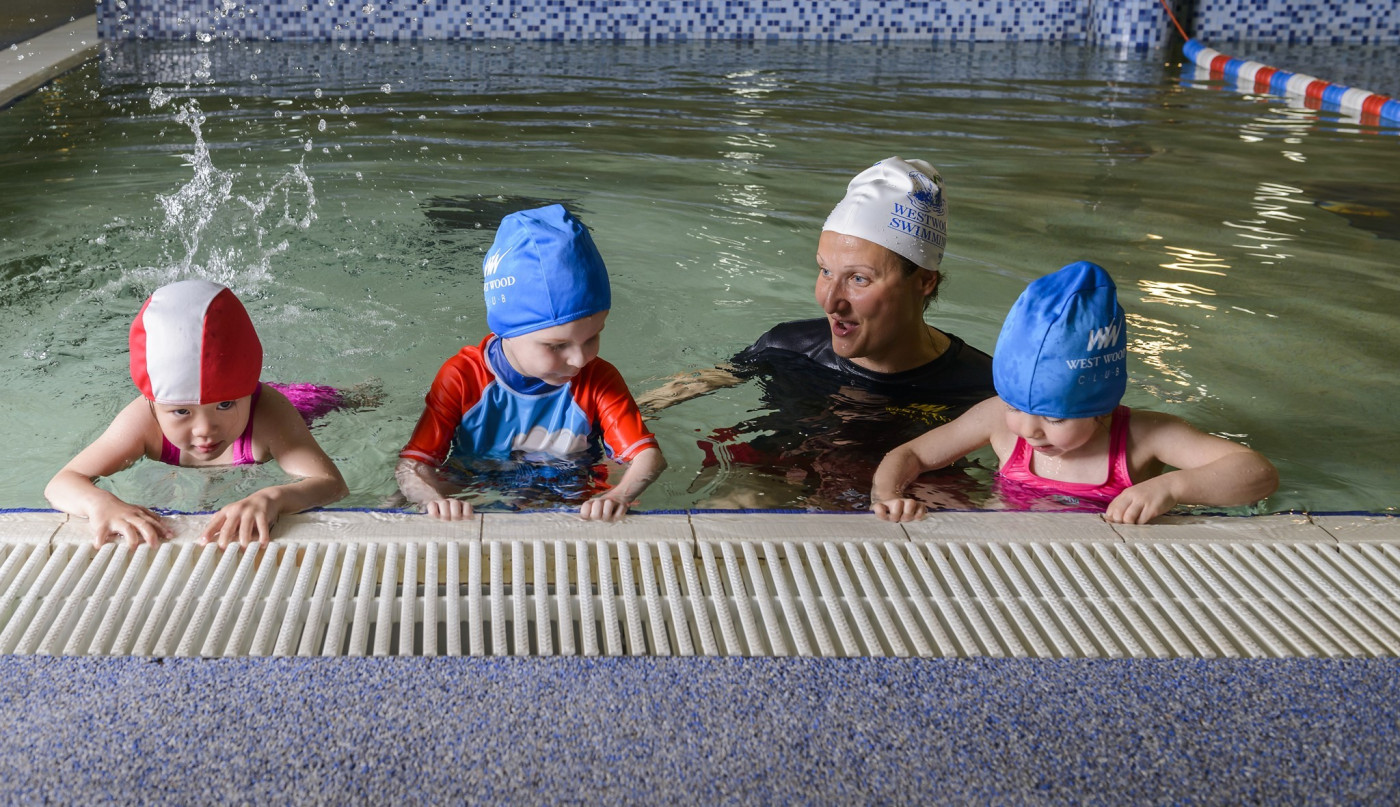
1132 24
645 20
1299 22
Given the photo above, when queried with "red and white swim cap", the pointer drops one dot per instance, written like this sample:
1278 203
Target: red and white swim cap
193 343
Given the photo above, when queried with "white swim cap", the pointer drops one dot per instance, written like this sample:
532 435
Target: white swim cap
899 205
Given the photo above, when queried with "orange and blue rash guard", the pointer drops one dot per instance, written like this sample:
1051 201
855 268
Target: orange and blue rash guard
474 412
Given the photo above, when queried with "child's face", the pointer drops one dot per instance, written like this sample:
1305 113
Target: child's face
1053 437
204 430
555 355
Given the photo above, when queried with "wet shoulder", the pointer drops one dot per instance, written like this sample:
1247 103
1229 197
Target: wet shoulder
809 338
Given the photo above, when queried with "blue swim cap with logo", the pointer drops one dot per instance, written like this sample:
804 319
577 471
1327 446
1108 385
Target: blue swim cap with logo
1063 350
542 270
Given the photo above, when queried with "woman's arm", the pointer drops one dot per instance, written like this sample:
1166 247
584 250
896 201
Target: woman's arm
122 444
280 427
684 386
1210 470
641 472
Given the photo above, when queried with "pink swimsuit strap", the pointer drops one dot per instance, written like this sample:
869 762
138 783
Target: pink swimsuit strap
242 447
1018 466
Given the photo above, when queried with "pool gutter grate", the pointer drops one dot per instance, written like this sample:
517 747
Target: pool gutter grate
828 598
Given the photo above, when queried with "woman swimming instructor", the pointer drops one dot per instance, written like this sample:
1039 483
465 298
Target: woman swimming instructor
878 264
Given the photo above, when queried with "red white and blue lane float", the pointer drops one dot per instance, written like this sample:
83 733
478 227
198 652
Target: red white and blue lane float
1315 93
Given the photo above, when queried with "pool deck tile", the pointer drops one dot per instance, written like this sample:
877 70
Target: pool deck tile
1024 528
32 64
379 527
796 527
1216 529
569 527
1356 529
30 528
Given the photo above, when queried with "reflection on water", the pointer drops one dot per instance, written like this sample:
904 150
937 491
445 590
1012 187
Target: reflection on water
1158 344
352 187
1196 261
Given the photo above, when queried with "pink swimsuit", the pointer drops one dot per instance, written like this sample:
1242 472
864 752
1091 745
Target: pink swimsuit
1026 486
242 447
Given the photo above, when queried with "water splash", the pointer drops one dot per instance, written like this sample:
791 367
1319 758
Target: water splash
215 231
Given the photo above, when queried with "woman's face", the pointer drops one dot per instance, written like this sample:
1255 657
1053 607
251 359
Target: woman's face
875 310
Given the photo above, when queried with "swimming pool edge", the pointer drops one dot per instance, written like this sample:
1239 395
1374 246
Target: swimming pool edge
31 527
29 65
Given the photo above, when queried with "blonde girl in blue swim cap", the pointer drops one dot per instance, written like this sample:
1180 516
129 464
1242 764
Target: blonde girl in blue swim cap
1058 427
196 359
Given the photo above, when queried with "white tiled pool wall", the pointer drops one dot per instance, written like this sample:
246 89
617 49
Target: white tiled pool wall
1136 24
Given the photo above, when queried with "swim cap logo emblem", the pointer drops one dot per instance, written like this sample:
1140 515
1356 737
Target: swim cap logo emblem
925 195
493 262
1100 338
489 267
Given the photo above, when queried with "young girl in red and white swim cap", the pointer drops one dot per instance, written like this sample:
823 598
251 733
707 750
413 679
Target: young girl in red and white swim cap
197 359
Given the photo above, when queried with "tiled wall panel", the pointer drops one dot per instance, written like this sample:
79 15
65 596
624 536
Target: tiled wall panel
1134 24
1299 22
574 20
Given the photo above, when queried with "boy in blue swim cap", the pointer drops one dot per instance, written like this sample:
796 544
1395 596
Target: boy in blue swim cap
1057 425
534 390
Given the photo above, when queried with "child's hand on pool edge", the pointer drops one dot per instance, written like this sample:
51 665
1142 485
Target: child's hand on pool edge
1142 502
448 509
117 519
641 472
608 507
245 521
900 510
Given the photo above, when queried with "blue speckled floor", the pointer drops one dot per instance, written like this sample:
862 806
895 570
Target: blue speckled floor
697 731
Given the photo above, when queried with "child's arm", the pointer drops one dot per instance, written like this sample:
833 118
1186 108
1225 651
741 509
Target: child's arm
72 490
932 450
280 427
643 470
455 390
421 484
1212 470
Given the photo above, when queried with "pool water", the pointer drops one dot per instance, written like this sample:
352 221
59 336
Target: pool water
348 192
